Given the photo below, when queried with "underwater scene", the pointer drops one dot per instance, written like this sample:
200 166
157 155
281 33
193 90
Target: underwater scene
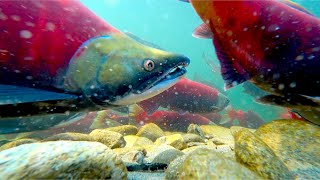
160 89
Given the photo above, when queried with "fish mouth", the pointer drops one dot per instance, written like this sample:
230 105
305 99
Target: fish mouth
153 86
173 73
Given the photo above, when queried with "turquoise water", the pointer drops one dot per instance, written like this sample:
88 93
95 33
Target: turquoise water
169 24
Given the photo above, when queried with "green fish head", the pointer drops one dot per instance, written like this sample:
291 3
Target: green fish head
117 70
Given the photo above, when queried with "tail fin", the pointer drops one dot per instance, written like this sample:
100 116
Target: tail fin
225 119
99 120
135 110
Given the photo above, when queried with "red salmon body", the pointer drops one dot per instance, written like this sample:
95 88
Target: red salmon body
275 44
172 121
39 38
188 96
57 57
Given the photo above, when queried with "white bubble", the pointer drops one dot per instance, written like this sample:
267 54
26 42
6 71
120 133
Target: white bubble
245 29
308 29
15 17
299 58
234 83
315 49
97 45
311 56
30 24
273 27
3 17
229 33
25 34
130 86
293 84
29 77
281 86
28 58
50 26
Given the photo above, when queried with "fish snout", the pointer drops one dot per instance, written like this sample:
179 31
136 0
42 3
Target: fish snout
221 103
175 61
173 66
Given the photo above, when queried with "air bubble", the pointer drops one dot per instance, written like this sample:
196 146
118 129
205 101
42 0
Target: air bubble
229 33
25 34
28 58
293 84
50 26
281 86
15 17
299 58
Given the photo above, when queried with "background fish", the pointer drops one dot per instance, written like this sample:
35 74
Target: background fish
167 120
272 43
59 57
187 96
247 119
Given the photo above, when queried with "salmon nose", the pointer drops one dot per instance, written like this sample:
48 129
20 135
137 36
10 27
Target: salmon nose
226 102
223 101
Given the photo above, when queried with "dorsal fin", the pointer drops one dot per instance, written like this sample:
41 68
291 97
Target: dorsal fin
203 31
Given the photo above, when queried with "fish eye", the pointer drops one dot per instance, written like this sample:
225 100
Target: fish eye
148 65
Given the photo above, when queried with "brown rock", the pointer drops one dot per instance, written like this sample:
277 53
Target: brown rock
150 131
161 154
192 138
296 143
195 129
124 129
109 138
61 160
133 140
205 163
235 129
175 140
69 136
17 143
252 152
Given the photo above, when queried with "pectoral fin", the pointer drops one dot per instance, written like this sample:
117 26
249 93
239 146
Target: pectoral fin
203 31
16 101
16 94
34 123
294 101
